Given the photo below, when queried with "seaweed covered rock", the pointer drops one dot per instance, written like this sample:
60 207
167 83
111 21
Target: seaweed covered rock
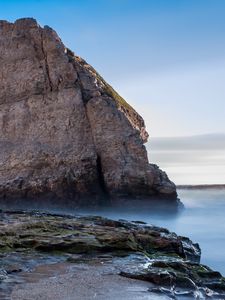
46 232
65 133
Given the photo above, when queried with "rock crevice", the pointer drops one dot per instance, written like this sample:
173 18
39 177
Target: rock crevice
46 64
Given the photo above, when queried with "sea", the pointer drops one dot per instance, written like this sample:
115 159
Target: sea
191 161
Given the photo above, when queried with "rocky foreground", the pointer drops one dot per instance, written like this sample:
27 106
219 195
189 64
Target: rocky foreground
66 135
132 250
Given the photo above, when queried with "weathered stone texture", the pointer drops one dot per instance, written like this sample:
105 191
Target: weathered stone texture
64 132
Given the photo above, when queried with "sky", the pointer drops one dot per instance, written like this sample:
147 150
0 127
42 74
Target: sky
190 160
166 58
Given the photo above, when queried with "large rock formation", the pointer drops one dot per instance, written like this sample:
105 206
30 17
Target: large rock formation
65 133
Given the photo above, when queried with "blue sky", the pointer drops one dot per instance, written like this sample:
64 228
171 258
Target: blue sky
166 58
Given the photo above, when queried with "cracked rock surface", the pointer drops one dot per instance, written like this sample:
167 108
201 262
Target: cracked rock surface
65 134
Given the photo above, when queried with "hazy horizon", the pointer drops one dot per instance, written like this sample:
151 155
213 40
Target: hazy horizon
191 160
203 134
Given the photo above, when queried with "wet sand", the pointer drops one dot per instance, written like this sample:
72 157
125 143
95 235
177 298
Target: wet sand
66 281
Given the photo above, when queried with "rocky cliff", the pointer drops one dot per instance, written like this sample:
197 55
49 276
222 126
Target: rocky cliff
65 133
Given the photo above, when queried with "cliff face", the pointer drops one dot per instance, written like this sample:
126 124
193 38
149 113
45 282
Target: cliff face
65 133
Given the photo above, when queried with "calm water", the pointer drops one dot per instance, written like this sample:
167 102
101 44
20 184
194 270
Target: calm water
195 160
203 220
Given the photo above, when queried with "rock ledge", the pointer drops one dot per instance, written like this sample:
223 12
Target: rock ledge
137 250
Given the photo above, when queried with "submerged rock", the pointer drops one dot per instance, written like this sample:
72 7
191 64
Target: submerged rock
178 273
65 133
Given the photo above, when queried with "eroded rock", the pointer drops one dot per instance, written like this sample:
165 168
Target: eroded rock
65 133
44 232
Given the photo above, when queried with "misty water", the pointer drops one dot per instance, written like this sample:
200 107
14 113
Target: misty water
201 219
195 160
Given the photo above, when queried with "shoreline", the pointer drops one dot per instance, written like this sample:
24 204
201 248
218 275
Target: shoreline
200 186
104 257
